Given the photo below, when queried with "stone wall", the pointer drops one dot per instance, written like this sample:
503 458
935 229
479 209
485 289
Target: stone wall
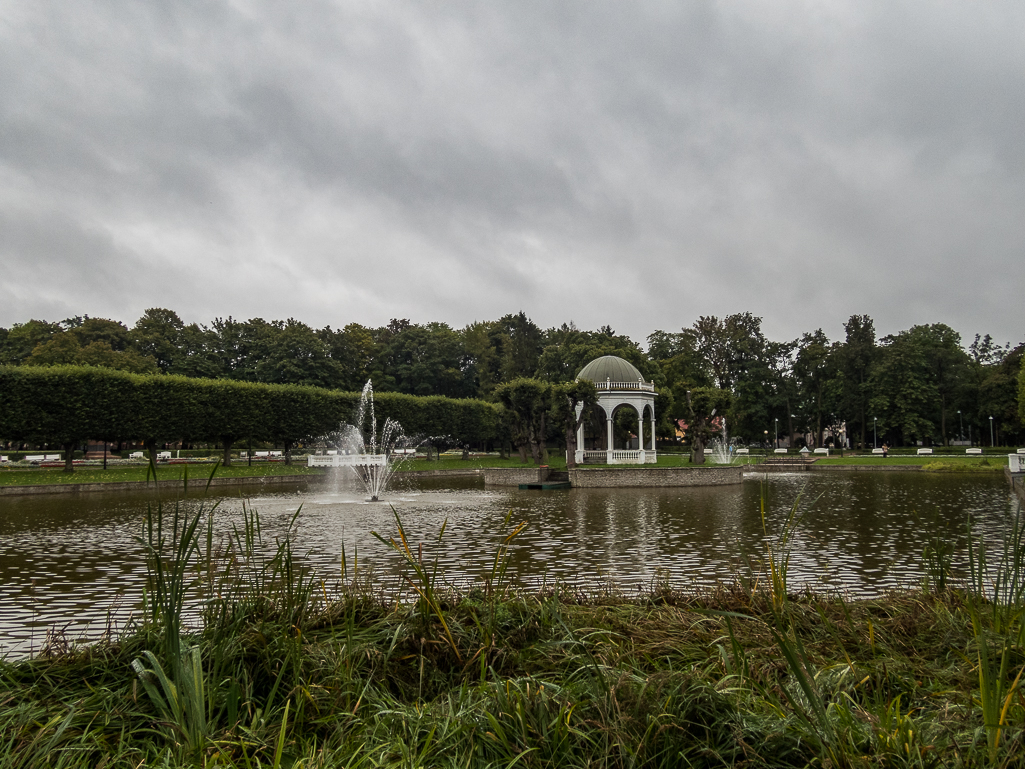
198 484
1017 483
514 476
587 478
860 468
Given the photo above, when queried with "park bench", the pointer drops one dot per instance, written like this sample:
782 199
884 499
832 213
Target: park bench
924 451
877 451
779 451
743 451
136 455
1021 451
3 458
163 455
973 451
35 457
822 451
404 452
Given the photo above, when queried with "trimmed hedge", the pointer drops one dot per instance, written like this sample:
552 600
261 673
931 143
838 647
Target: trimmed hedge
67 405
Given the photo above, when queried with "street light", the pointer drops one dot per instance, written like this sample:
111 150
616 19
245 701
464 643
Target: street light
991 443
766 436
776 445
874 423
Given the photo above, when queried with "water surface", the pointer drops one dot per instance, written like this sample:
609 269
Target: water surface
74 562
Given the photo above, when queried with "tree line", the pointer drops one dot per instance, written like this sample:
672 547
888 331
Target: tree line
67 405
920 385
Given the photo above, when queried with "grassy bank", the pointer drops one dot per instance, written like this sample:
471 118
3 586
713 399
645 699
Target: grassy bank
128 473
287 671
934 462
13 475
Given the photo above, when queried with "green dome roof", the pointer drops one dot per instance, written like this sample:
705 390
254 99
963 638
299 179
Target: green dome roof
610 367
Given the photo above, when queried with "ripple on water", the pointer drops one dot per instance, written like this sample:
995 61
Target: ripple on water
66 561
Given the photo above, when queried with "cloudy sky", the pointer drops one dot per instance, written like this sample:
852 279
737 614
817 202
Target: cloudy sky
636 164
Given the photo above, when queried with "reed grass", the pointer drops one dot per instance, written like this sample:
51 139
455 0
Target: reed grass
244 659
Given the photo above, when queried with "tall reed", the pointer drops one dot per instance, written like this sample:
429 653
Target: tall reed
996 605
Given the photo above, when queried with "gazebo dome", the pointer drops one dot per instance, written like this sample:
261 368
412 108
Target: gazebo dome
610 368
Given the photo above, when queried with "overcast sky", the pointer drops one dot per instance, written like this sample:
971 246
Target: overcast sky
635 164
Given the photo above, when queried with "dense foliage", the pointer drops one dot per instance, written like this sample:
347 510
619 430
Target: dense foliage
67 405
920 385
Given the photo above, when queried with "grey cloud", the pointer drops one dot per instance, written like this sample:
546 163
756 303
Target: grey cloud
343 162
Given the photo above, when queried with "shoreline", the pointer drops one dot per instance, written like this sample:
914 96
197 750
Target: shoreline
264 480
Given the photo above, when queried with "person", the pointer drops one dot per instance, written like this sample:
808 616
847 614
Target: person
885 449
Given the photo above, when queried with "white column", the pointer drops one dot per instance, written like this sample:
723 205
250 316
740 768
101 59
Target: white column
640 432
608 446
580 436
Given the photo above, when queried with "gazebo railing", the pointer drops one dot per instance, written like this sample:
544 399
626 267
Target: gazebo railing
609 385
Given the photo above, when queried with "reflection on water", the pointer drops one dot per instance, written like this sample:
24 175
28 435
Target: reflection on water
75 562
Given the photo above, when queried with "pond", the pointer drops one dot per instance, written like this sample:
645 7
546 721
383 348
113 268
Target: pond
74 562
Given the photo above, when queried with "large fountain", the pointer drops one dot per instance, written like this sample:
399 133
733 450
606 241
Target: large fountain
357 446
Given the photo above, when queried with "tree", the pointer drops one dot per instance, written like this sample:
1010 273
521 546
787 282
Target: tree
521 342
856 357
65 348
89 330
526 403
354 349
703 403
567 350
1021 395
158 334
481 369
948 363
903 389
570 403
814 368
421 360
294 354
198 354
22 339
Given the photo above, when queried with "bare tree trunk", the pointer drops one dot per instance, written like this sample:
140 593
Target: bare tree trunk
697 451
226 461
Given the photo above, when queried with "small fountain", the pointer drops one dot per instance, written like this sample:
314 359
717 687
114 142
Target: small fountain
358 447
721 449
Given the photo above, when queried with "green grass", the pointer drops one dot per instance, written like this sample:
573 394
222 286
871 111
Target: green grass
13 476
121 474
936 460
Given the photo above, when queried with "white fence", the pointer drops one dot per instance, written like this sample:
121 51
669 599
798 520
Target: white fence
346 460
609 385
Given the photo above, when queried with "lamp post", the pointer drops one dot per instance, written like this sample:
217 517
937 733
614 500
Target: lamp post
991 443
766 436
776 444
875 422
960 421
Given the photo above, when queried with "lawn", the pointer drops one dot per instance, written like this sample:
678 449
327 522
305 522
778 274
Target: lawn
967 463
15 476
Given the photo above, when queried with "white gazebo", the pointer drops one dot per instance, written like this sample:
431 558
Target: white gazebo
619 383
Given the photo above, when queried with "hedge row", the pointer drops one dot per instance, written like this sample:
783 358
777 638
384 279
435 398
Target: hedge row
67 405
